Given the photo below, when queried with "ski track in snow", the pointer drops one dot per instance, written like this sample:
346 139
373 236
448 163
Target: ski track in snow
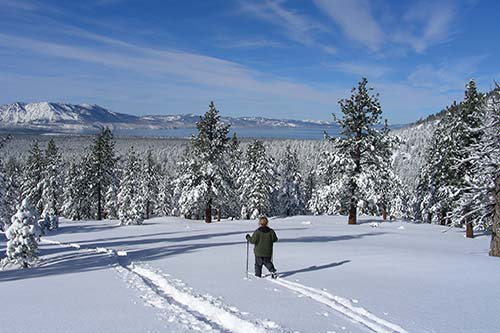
207 314
344 306
177 303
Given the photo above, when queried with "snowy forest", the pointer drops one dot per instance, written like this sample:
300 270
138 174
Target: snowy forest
443 170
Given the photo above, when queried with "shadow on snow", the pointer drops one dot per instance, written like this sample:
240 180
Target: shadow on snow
67 260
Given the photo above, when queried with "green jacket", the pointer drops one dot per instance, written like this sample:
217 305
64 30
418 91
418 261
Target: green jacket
263 238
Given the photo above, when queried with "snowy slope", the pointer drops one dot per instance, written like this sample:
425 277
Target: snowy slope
176 275
409 156
46 113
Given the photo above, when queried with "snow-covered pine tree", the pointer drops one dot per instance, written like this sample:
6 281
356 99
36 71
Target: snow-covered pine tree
235 157
476 203
387 192
77 199
130 200
4 218
442 179
290 192
150 184
111 201
12 173
22 234
468 132
257 181
495 234
32 179
51 186
330 195
204 179
359 142
71 193
189 201
102 162
166 195
309 186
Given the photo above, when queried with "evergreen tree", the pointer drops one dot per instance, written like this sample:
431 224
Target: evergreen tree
77 201
102 162
166 195
360 143
257 181
4 218
22 234
12 187
111 201
235 160
481 161
189 198
309 186
52 186
4 209
204 179
33 173
131 203
330 195
290 193
447 165
150 184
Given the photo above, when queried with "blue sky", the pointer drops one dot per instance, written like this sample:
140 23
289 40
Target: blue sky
286 59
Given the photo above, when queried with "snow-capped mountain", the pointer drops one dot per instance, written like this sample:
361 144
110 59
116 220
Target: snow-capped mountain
64 117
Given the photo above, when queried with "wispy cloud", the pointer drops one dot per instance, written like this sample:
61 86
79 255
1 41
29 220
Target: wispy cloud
447 76
360 69
248 43
297 27
427 24
356 20
184 66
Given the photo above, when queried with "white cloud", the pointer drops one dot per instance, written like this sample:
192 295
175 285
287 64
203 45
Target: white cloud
356 20
427 24
361 69
447 76
247 43
298 27
184 66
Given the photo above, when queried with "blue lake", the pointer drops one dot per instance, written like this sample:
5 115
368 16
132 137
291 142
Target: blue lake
310 133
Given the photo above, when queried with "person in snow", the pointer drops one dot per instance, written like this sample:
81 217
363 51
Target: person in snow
263 238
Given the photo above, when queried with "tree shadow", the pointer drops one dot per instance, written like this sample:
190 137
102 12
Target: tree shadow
324 239
313 268
67 260
58 259
75 228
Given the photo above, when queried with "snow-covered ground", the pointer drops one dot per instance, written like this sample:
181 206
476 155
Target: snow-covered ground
176 275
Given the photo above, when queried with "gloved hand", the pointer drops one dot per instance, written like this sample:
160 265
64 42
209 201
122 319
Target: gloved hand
248 237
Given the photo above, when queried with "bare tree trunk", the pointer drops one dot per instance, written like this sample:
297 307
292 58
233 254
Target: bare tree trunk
469 231
352 214
384 214
218 214
495 229
208 212
147 209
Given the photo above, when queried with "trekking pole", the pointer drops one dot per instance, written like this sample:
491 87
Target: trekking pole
247 258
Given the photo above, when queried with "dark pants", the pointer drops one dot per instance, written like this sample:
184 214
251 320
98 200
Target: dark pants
266 261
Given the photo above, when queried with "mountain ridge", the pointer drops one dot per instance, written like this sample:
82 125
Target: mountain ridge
66 117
